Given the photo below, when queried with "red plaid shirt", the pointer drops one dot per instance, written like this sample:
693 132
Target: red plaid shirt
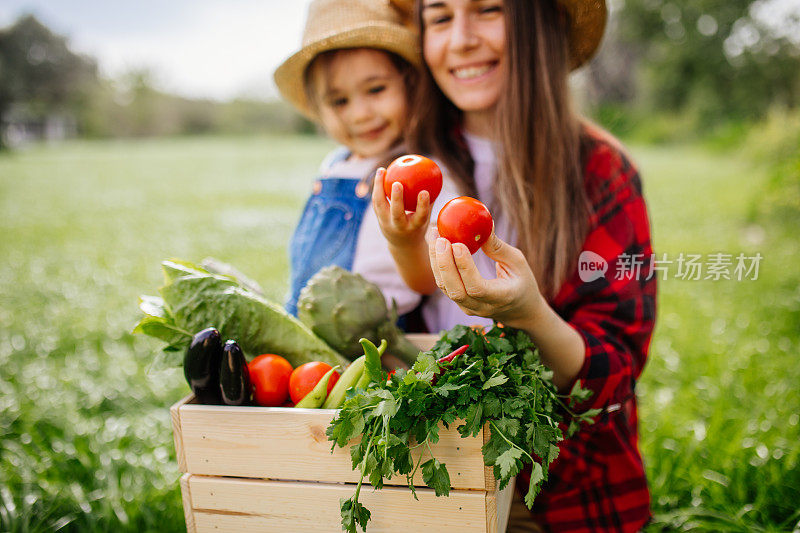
598 483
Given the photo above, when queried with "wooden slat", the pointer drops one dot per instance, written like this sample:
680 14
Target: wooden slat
177 436
504 498
221 504
490 484
423 341
288 443
187 504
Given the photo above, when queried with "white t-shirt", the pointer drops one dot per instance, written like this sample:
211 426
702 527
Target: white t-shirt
439 311
372 257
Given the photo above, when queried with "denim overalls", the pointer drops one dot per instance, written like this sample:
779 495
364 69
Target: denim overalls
328 229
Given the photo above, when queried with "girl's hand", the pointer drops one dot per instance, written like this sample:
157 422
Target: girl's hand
401 229
512 298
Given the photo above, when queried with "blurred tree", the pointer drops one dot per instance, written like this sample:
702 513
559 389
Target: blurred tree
719 59
38 69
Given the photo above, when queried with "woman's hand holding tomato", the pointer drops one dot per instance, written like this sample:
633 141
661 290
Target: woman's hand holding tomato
465 220
269 376
306 376
512 298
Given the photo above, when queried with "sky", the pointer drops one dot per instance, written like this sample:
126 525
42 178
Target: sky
197 48
219 49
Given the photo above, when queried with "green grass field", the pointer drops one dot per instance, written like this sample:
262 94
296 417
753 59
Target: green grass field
86 436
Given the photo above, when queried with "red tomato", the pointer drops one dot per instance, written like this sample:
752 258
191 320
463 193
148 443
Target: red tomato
465 220
416 173
306 376
269 376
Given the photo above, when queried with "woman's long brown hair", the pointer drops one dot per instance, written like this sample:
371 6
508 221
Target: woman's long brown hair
539 185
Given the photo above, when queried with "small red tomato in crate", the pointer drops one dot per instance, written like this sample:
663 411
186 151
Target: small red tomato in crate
416 174
465 220
304 377
269 375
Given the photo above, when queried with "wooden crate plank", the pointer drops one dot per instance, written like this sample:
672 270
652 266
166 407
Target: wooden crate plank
224 504
177 435
187 504
288 443
504 498
423 341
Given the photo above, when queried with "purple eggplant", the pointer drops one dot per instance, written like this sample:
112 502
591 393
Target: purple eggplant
234 378
201 366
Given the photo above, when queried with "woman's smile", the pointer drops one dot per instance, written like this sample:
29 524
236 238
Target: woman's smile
475 71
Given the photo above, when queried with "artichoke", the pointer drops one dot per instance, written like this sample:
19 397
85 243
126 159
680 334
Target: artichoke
342 307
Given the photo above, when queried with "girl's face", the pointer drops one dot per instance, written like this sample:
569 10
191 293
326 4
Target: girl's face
362 100
464 46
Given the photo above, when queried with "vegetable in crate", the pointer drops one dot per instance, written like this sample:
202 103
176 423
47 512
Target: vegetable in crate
269 375
305 377
497 381
193 298
316 397
234 378
201 366
342 307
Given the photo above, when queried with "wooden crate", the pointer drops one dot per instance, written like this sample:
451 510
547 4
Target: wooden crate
271 469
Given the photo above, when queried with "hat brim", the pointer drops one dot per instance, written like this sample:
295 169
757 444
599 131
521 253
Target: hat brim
290 75
587 25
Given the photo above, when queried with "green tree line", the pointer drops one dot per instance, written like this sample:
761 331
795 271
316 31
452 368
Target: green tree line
703 64
41 77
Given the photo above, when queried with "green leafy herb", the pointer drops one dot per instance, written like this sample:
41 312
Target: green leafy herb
499 383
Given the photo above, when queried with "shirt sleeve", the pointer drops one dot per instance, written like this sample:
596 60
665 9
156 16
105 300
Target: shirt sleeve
610 301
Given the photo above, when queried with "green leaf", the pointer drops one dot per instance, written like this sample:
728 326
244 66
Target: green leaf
543 437
473 422
163 329
386 408
509 462
508 426
153 305
499 344
495 380
353 514
578 394
435 475
573 427
537 476
426 367
491 406
447 388
588 416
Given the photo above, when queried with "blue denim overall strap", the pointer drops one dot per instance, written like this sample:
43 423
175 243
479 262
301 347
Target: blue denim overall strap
327 232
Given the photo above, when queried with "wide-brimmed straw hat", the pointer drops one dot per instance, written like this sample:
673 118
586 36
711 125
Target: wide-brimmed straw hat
587 22
340 24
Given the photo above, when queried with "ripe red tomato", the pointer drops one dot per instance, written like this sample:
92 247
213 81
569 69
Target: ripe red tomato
465 220
416 173
269 376
304 377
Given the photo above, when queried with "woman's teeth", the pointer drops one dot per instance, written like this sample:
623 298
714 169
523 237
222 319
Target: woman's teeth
467 73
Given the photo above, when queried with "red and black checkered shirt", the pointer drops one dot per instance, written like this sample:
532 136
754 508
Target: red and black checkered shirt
598 483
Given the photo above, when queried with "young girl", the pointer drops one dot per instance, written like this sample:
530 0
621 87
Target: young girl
353 75
495 109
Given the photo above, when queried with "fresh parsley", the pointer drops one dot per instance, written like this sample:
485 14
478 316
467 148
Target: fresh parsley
499 383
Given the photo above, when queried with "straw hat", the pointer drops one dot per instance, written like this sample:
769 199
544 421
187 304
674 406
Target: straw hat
587 21
337 24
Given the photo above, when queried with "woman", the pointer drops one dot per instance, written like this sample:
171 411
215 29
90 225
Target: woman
494 108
